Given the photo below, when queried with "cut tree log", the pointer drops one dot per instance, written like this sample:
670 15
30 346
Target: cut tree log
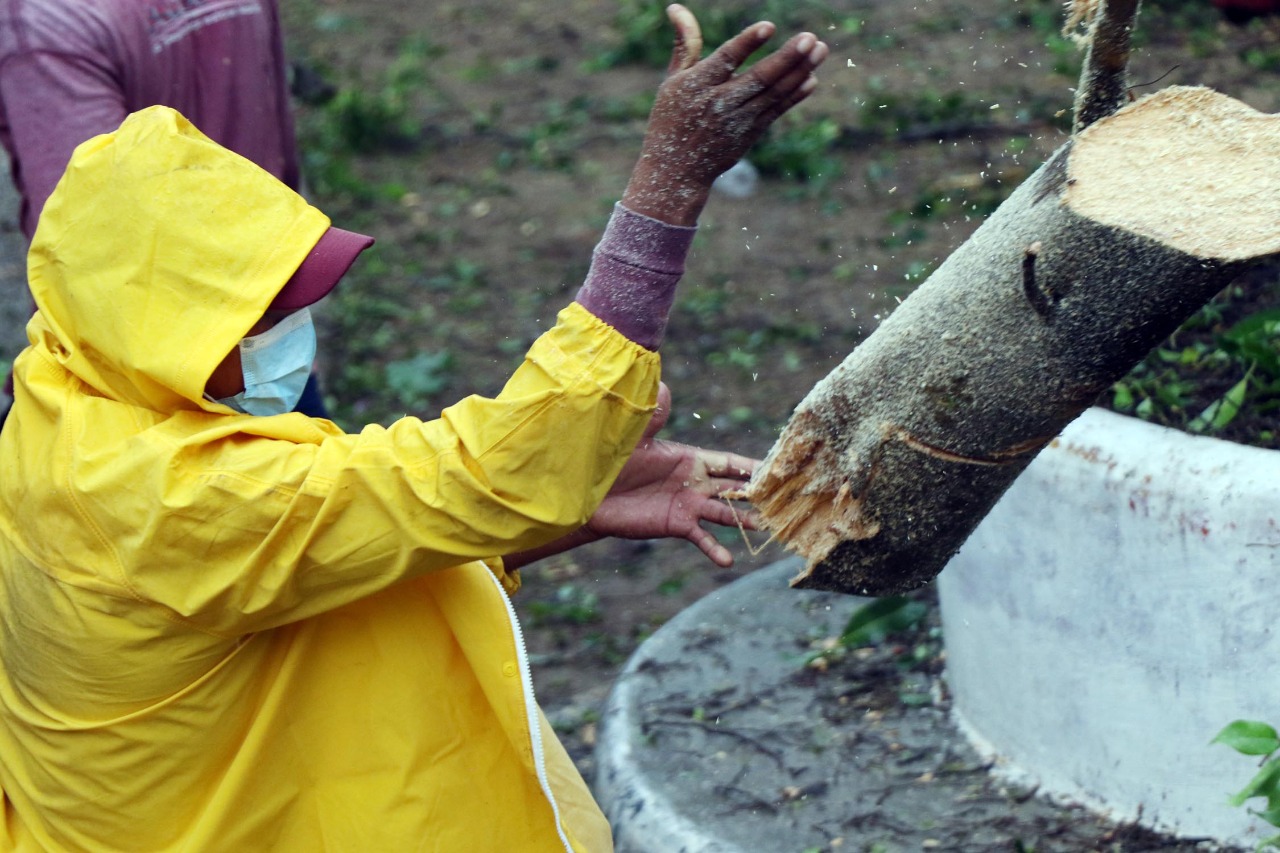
892 460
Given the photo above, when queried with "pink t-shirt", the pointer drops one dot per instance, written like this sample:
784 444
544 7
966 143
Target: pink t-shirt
71 69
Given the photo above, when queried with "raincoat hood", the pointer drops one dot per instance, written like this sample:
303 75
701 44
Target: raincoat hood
156 253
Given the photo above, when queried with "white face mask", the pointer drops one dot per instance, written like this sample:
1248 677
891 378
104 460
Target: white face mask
276 365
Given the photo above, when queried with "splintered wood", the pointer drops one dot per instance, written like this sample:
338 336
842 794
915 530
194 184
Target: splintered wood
891 460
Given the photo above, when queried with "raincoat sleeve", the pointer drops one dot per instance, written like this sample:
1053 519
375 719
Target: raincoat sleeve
257 533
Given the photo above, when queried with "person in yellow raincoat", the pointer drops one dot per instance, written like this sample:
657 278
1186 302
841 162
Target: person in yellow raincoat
223 628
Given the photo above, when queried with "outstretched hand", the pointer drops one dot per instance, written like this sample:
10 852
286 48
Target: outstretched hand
706 116
666 490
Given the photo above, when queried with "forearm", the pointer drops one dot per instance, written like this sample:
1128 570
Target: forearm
634 273
579 537
652 192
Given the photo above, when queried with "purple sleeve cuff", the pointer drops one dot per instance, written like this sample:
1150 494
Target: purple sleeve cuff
633 276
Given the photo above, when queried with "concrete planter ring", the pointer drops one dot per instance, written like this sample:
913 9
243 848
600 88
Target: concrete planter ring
1114 611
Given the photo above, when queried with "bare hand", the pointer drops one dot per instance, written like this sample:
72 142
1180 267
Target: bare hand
667 489
706 116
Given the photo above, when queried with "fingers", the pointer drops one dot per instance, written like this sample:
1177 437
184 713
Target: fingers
717 510
730 55
720 487
785 74
806 89
790 64
708 545
688 42
719 464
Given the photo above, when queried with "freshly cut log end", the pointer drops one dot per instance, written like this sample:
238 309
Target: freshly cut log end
1187 167
891 460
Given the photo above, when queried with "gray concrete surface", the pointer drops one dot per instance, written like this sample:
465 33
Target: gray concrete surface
719 738
1134 569
743 636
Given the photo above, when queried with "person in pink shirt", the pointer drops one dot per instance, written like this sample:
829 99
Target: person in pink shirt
73 69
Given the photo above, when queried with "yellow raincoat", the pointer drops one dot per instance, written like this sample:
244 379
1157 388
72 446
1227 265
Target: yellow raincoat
226 632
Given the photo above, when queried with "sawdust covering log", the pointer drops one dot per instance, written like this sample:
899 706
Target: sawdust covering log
891 460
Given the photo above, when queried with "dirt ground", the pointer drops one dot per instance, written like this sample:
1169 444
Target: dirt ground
491 138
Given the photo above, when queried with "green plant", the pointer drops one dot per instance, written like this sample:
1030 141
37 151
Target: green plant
415 380
553 143
876 622
673 584
800 151
608 648
743 348
367 121
464 282
1158 389
332 174
890 114
571 605
705 304
373 369
877 619
1044 17
1196 22
645 35
375 117
363 118
1264 59
918 271
906 229
1223 361
1249 737
980 198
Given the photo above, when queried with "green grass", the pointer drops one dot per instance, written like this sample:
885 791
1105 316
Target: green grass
800 150
569 605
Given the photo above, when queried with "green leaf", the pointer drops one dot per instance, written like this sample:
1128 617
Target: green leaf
1253 340
1249 737
1223 411
1122 398
1231 402
1271 816
415 380
1266 783
877 619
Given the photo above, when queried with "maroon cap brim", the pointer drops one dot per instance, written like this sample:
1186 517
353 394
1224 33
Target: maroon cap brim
326 263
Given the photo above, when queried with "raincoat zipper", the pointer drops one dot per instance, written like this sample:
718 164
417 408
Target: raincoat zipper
531 711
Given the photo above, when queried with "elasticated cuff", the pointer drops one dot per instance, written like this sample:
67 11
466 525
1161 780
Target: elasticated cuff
634 273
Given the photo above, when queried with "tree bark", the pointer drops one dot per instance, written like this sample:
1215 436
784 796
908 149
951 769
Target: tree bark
1103 79
891 460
